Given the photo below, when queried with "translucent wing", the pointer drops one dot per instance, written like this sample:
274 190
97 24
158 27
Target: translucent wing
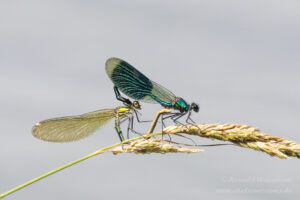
72 128
135 84
161 93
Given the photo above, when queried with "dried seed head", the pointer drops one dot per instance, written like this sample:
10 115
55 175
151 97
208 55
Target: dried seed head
144 146
242 135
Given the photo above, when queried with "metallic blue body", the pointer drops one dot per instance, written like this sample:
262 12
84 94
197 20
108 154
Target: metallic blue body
137 86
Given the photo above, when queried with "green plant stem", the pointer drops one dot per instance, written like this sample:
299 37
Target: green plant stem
100 151
242 135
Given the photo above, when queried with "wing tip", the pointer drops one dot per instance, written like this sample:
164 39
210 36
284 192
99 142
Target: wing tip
111 64
35 129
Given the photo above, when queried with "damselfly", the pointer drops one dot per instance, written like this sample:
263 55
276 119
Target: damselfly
137 86
72 128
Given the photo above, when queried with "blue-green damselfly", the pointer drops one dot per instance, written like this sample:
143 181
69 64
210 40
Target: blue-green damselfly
137 86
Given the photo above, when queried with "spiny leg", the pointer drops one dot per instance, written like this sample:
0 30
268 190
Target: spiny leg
189 118
127 102
175 119
162 122
171 116
176 116
164 118
138 119
130 127
123 120
193 123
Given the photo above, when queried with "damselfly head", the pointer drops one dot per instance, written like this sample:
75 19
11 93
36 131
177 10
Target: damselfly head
194 107
136 105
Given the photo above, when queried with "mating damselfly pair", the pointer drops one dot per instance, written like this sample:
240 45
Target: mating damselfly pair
132 83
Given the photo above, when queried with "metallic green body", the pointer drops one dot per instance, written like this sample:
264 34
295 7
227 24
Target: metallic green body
136 85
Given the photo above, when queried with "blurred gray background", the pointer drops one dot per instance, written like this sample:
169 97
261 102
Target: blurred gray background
238 59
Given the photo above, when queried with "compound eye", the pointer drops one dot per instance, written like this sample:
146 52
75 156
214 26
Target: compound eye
195 107
136 104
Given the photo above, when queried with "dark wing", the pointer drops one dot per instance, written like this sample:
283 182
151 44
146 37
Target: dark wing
135 84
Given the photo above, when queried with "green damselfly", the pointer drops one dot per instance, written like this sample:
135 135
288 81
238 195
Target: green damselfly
137 86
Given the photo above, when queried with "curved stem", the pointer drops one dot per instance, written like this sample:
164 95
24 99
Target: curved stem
100 151
241 135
